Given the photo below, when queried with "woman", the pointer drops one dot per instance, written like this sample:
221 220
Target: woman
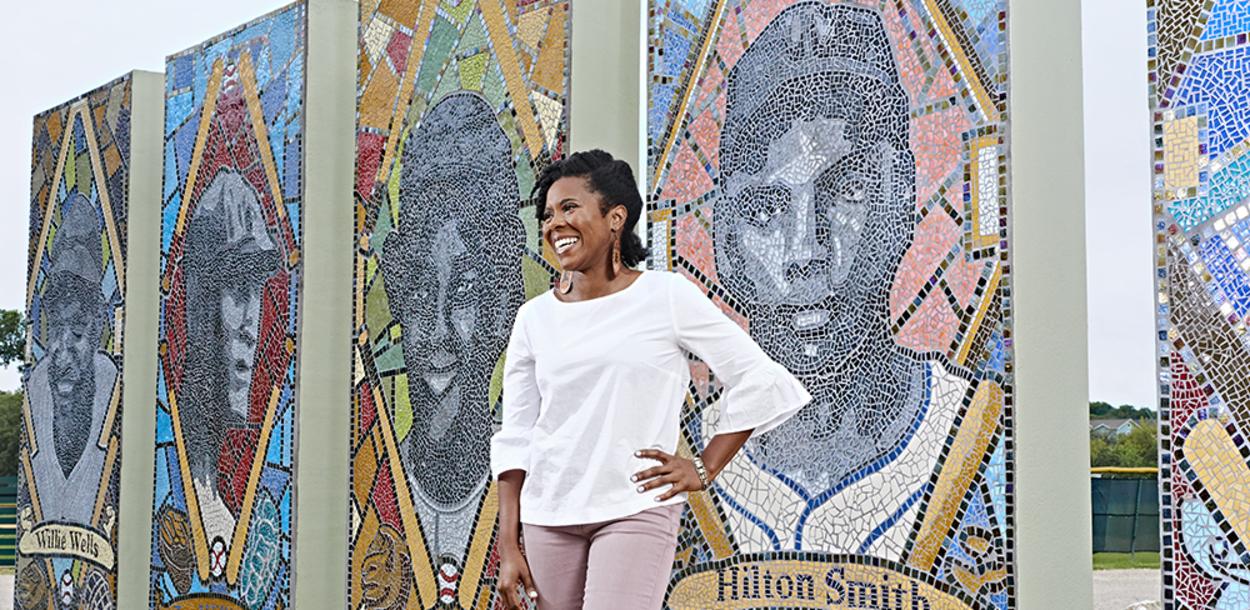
594 380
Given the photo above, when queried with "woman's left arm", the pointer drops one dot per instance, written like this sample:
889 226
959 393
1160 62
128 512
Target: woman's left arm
760 393
681 473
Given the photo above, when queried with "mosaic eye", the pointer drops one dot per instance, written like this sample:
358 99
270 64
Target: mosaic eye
760 204
852 189
467 284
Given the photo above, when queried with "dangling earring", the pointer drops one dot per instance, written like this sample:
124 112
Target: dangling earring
566 282
616 254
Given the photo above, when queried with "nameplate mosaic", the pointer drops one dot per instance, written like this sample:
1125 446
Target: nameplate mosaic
70 447
833 174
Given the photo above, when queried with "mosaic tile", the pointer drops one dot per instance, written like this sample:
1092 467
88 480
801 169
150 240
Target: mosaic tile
445 257
1181 153
1219 80
1227 18
1197 54
834 173
70 445
231 279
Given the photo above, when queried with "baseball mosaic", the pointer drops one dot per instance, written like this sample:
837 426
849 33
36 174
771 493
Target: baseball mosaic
229 301
833 174
1200 102
70 455
459 105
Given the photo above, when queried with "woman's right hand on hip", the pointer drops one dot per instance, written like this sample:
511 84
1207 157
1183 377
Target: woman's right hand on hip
514 574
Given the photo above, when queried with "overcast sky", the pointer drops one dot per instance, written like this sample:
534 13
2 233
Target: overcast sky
1117 204
55 51
52 52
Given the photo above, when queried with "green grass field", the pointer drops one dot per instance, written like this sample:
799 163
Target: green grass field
1126 561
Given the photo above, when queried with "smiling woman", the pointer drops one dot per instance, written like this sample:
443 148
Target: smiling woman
594 179
594 383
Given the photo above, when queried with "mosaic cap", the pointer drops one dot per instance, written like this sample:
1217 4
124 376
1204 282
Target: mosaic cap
229 211
812 38
461 130
457 162
76 247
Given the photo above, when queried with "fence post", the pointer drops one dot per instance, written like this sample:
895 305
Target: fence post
1132 543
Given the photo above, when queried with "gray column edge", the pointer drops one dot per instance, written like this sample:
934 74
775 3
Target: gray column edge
323 381
607 83
1052 492
138 440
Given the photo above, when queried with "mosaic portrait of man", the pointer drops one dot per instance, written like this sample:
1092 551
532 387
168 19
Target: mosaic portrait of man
71 386
816 211
453 283
229 258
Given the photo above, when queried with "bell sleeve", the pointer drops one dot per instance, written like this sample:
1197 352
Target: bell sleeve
761 394
510 446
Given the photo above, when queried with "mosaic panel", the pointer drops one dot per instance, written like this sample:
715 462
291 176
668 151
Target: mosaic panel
230 286
460 104
70 453
834 175
1200 100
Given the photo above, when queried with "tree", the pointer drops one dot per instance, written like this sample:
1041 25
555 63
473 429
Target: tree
1102 410
12 337
1102 453
12 349
1099 410
10 431
1138 448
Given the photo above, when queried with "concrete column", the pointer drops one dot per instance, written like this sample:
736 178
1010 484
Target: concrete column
324 381
1052 496
608 96
143 228
608 92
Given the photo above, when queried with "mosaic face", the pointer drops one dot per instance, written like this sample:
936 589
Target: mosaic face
454 286
75 314
808 233
230 282
816 166
70 447
1199 100
460 107
229 259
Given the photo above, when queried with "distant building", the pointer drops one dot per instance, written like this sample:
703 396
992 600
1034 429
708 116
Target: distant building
1113 428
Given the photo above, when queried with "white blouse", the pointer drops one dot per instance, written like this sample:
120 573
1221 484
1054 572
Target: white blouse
588 383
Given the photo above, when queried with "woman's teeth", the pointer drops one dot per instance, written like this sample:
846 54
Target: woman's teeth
563 244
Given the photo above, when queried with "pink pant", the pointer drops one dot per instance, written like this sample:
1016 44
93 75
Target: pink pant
622 564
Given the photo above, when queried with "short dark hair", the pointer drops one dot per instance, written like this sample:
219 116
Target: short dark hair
611 178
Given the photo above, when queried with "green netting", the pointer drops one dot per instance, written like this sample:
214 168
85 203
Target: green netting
8 522
1126 515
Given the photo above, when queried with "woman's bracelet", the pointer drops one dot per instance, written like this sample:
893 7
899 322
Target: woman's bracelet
702 472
